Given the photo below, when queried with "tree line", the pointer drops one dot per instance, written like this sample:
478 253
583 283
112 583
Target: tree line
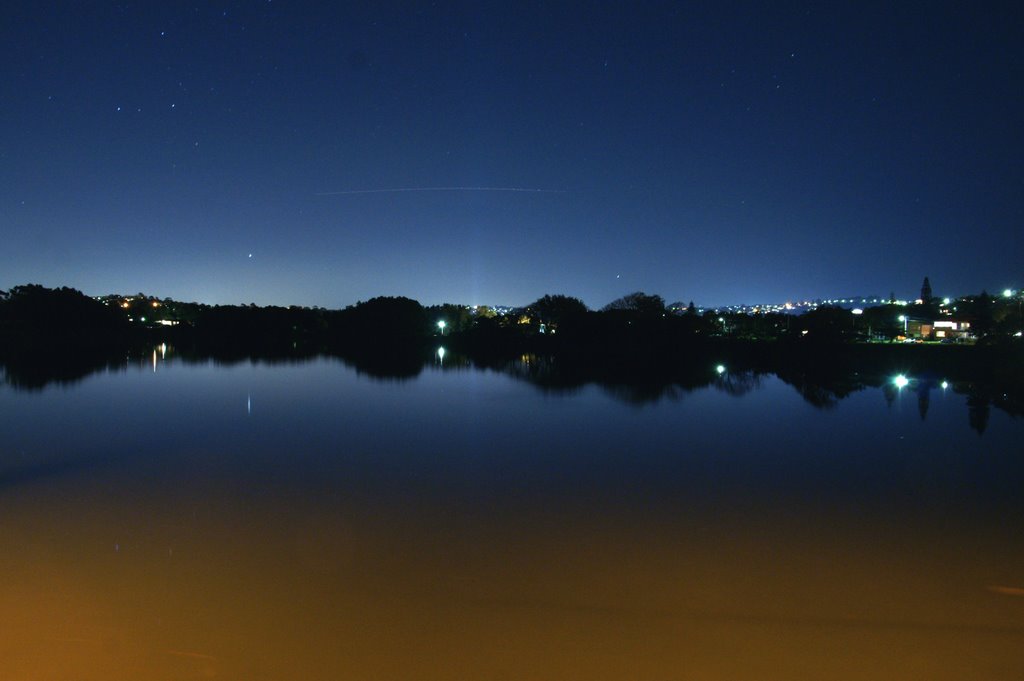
33 315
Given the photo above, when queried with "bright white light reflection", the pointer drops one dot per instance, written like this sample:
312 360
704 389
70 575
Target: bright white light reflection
900 381
440 355
945 384
720 369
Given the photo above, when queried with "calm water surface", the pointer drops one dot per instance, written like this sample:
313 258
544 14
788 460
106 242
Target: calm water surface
304 521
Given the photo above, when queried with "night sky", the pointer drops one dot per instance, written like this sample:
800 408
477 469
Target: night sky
292 153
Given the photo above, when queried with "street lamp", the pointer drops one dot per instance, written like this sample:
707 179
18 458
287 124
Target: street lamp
903 318
441 324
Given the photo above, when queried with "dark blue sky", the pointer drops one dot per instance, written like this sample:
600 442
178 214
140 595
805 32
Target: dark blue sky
723 153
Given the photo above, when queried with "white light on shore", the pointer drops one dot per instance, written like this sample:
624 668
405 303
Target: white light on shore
901 381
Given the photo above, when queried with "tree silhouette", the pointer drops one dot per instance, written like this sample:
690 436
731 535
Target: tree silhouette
557 310
638 302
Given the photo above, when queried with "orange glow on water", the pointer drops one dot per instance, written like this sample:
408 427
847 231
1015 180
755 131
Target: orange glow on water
214 582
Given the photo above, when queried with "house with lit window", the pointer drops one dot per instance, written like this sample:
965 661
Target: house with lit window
950 329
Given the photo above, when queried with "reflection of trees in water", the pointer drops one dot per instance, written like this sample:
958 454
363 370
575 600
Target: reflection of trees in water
738 383
924 389
823 390
889 392
817 395
385 366
35 372
644 393
542 371
628 384
631 383
981 397
978 412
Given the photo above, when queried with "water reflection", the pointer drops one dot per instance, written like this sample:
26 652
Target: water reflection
452 523
978 412
738 383
60 369
823 387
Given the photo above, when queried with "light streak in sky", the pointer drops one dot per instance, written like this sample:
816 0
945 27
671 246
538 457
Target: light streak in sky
396 190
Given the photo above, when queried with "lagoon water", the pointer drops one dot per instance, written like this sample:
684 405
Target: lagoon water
174 520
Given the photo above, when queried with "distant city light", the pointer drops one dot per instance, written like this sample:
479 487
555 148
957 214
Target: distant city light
945 301
857 310
945 384
1007 293
900 381
720 369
